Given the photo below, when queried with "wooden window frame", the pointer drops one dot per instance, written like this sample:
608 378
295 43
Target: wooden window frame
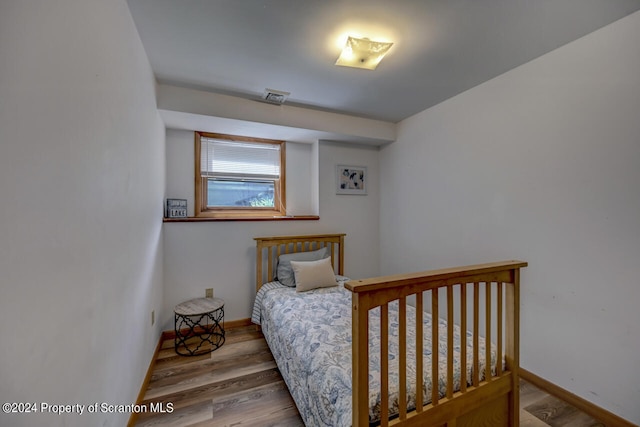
201 209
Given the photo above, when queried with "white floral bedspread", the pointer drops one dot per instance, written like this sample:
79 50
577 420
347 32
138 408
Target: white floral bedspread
309 334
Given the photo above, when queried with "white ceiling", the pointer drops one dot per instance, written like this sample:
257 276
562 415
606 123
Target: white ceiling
442 47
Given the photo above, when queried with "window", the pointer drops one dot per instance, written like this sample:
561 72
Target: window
239 176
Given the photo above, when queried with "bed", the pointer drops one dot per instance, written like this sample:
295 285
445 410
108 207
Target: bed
351 353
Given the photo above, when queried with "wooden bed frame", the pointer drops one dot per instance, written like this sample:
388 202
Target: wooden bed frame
270 248
493 313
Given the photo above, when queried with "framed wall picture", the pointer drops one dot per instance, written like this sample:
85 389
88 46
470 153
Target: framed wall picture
351 180
176 208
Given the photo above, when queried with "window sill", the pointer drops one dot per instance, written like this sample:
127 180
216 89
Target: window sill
270 218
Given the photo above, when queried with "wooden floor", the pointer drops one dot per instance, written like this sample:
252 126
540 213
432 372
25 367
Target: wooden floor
240 385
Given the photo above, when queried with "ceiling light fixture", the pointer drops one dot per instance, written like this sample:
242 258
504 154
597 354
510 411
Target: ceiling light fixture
363 53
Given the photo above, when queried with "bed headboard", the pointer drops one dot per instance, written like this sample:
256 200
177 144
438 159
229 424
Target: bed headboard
268 249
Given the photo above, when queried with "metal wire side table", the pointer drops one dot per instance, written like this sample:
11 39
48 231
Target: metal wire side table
199 326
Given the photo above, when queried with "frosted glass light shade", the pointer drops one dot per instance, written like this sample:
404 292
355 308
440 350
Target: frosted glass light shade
363 53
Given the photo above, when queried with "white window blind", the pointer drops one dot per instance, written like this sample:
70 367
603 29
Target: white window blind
238 160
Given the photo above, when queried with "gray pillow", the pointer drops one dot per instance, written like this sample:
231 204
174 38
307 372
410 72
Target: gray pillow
284 272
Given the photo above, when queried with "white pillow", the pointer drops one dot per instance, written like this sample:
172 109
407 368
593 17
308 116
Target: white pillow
284 272
313 274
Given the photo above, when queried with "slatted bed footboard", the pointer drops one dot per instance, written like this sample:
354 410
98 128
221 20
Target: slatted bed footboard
483 299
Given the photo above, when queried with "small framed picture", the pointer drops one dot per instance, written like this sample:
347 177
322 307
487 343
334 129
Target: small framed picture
351 180
176 208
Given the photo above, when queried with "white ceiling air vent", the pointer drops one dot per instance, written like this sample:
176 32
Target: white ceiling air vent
276 97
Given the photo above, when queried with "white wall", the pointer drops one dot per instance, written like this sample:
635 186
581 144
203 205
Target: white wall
540 164
184 108
222 254
81 183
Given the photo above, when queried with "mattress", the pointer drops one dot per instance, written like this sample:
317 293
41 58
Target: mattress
309 334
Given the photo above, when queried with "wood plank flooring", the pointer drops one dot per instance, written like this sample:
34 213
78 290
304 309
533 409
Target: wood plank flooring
239 385
539 409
